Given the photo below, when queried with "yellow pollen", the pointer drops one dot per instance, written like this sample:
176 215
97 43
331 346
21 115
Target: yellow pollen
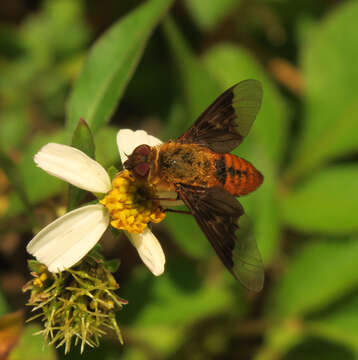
110 304
132 203
43 277
38 282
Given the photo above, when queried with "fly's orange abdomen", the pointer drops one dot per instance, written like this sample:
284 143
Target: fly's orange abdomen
237 175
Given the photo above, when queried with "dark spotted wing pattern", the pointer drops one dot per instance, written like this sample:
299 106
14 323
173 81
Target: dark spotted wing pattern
222 219
227 121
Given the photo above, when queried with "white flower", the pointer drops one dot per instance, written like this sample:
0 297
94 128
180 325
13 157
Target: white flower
64 242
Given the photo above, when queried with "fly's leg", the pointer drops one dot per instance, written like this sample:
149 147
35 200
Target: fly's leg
166 199
178 211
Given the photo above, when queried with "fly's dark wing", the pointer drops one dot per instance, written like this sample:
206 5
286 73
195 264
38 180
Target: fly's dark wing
222 219
227 121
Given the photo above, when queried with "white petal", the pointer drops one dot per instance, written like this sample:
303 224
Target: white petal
73 166
65 241
128 140
149 250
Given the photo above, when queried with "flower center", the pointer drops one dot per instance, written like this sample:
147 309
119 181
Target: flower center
131 203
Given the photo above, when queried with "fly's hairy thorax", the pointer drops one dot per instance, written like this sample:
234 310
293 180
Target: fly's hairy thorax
195 165
183 163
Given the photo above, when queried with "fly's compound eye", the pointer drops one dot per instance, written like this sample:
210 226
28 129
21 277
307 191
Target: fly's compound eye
143 150
142 169
138 161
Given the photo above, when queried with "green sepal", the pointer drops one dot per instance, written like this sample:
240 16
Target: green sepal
112 172
96 252
35 266
112 265
83 140
115 232
17 182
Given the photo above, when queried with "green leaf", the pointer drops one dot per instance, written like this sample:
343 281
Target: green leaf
280 337
329 61
338 323
55 31
192 306
110 65
174 122
14 127
166 340
265 144
15 205
199 86
326 202
3 304
17 185
319 274
178 298
229 64
262 208
83 140
316 348
108 350
37 184
187 234
32 347
208 14
107 152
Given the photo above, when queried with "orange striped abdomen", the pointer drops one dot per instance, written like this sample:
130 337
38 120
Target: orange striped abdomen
236 175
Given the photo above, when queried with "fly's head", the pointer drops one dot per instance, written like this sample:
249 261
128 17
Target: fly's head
138 162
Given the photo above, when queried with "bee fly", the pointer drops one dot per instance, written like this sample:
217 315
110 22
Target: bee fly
199 168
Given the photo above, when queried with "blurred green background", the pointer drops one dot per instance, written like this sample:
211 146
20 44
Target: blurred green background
156 65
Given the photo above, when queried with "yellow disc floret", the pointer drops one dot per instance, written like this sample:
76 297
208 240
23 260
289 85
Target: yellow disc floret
132 203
